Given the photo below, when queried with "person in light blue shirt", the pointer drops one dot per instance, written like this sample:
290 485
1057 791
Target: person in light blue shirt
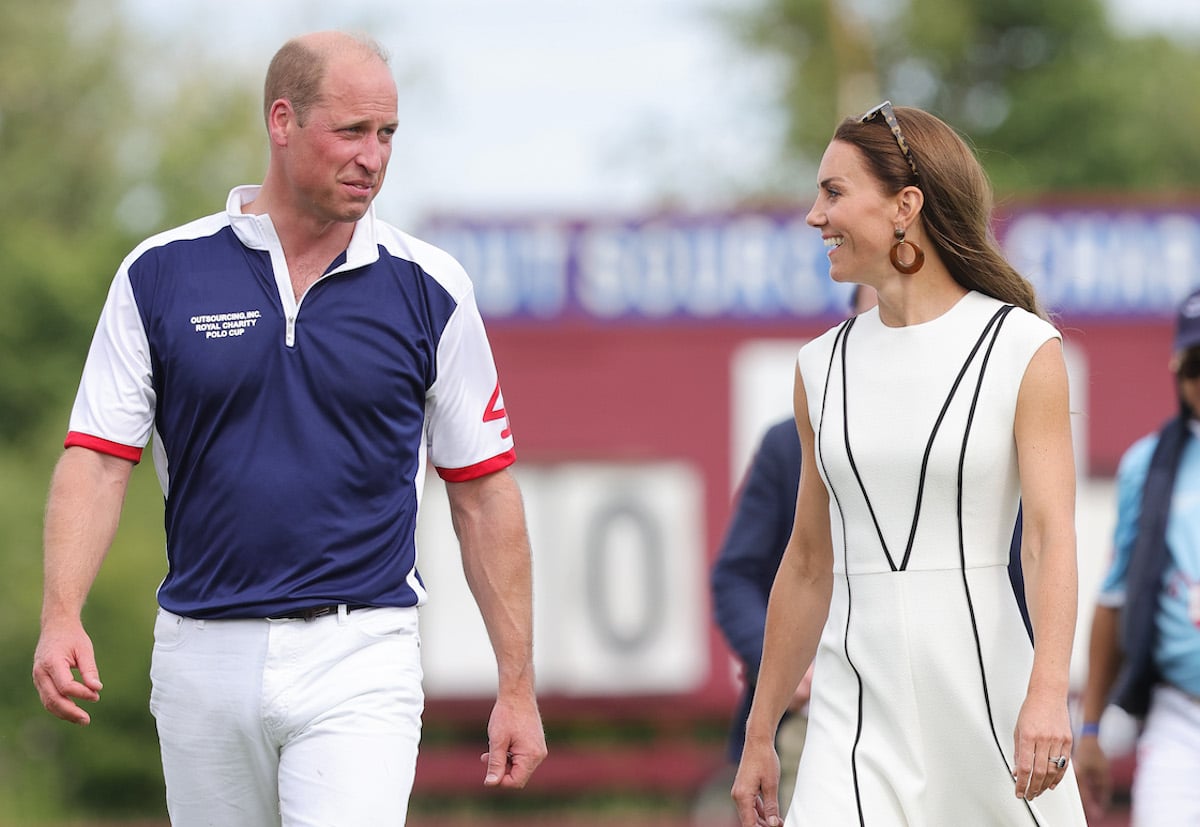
1144 652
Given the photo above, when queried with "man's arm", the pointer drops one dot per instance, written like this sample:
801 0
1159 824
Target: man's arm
1104 662
1105 652
84 507
489 519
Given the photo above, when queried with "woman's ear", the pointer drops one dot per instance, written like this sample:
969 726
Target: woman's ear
909 202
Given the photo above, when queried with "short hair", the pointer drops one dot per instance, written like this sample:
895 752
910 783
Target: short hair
298 68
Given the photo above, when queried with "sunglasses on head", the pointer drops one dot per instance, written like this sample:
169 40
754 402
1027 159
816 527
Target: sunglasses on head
889 117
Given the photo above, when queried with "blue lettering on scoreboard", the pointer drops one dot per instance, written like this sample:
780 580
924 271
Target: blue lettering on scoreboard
772 266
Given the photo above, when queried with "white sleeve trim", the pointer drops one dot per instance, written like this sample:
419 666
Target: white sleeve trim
116 398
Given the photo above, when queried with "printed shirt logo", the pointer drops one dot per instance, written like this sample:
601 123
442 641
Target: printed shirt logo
495 410
1183 588
224 325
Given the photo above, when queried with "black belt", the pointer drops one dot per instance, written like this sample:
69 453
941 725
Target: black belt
313 612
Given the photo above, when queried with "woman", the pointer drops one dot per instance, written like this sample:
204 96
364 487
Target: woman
923 423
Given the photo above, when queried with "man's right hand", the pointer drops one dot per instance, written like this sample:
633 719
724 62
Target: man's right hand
1094 774
61 649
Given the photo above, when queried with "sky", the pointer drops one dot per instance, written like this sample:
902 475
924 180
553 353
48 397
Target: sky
526 107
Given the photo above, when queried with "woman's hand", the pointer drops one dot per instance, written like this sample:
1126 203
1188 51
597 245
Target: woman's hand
1042 737
756 787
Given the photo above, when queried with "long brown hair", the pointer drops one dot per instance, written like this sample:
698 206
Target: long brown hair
957 215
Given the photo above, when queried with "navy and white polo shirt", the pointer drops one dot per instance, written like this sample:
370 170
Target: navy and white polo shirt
290 438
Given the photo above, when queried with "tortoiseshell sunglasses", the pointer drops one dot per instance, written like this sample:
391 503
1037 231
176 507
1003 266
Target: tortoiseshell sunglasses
889 115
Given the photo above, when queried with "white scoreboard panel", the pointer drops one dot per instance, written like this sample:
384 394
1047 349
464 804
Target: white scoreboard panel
620 584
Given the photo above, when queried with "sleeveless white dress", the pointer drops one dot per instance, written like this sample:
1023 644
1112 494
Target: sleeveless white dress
924 660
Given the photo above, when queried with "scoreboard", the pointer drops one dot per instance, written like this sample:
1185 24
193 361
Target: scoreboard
641 359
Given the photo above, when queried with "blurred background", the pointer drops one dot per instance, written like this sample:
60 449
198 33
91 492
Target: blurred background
626 182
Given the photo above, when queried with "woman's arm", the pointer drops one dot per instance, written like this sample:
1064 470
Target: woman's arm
1046 462
796 612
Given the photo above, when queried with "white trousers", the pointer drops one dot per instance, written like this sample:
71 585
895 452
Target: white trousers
288 723
1166 782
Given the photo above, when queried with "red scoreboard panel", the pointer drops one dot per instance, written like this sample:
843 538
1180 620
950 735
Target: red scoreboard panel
640 360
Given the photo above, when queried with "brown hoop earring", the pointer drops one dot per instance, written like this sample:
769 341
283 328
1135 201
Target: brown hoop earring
918 255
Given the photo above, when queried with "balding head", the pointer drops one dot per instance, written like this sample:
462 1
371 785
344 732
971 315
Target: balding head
296 71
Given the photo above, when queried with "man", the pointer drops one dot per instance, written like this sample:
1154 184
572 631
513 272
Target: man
745 569
1144 651
299 362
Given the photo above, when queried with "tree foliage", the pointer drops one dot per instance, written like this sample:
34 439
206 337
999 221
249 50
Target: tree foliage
1055 98
95 153
94 157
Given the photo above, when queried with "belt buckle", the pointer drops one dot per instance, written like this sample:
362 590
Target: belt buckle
317 611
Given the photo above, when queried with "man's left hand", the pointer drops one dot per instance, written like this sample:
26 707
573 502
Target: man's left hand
516 743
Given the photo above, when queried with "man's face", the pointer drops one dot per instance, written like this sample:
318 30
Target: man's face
337 160
1186 367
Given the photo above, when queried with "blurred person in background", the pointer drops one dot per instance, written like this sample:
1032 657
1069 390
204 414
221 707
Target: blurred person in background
925 423
298 362
1144 650
745 568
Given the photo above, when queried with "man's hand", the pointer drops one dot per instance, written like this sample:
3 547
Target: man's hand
516 743
1094 774
62 648
803 693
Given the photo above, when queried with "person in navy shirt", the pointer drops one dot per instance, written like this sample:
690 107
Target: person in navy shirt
296 364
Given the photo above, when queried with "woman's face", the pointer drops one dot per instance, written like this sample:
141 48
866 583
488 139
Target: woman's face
856 218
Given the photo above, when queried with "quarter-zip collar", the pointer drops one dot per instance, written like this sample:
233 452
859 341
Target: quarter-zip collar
258 233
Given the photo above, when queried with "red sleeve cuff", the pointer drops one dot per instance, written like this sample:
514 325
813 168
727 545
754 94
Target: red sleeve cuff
479 469
95 443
